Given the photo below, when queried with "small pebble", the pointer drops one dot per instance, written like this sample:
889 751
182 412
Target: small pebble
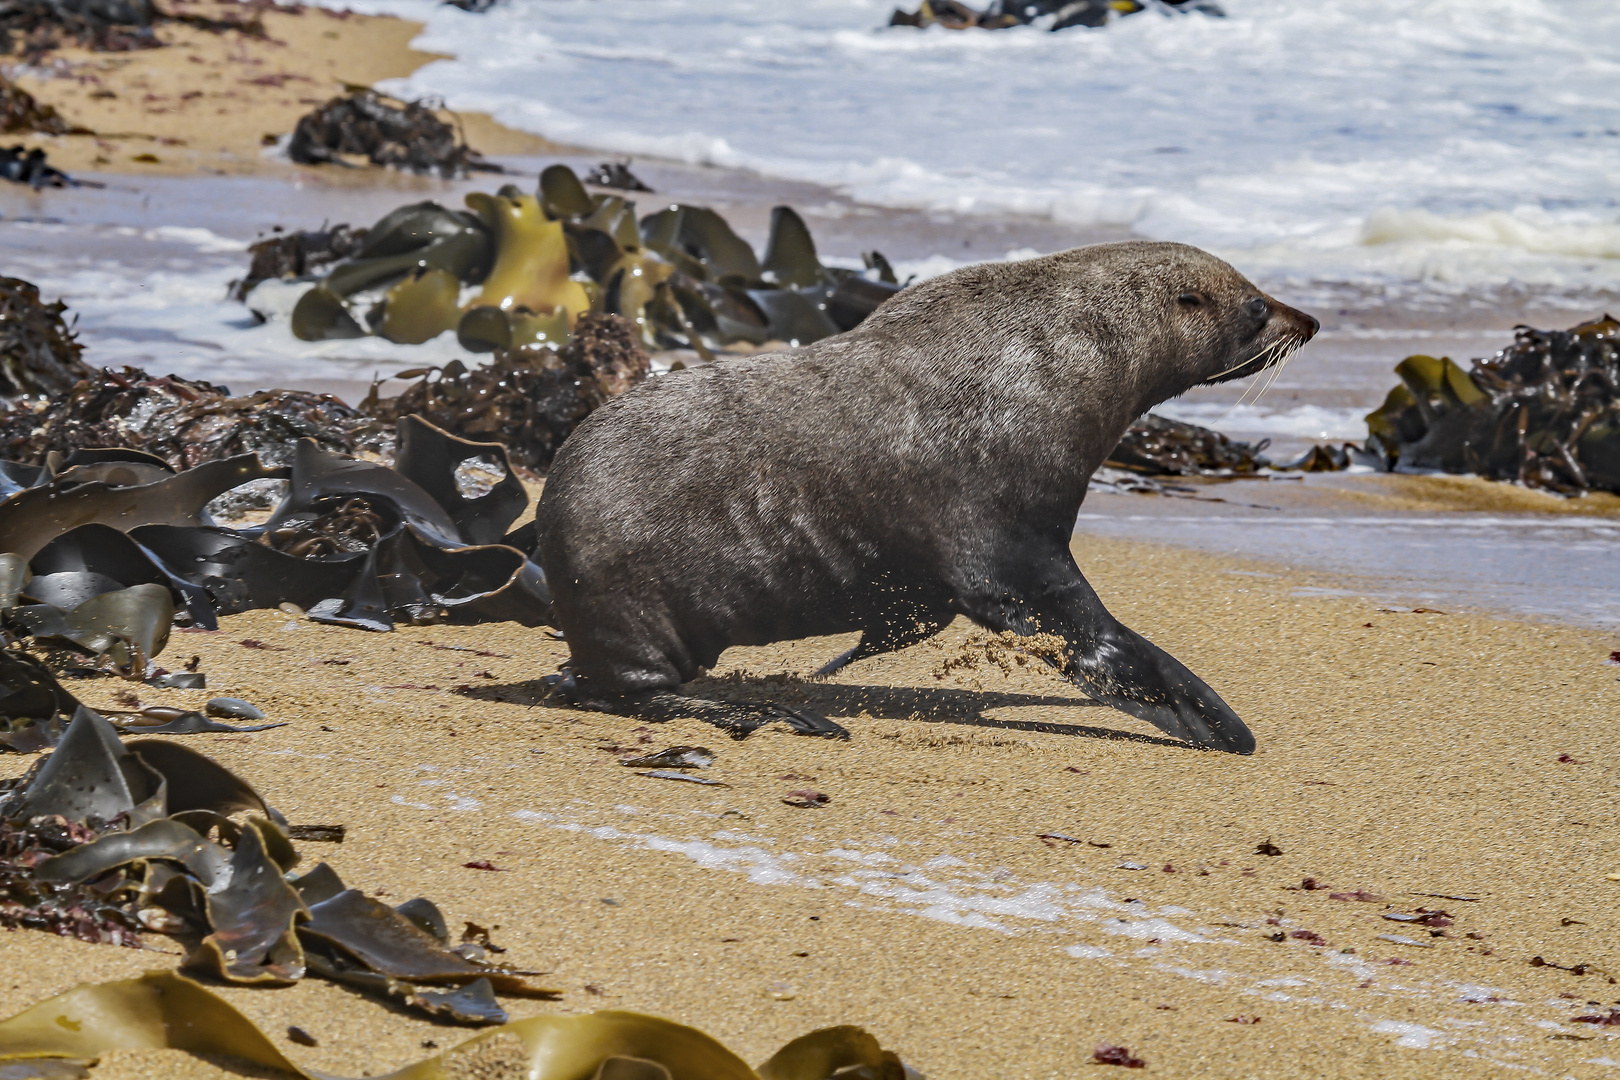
233 709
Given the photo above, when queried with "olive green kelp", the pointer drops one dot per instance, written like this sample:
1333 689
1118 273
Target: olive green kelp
514 270
161 1010
1544 412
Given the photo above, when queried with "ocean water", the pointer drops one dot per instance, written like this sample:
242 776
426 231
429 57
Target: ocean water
1417 147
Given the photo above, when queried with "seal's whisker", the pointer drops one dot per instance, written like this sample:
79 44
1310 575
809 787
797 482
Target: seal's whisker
1290 346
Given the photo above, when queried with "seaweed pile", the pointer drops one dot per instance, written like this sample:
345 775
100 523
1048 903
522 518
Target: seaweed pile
104 548
166 1010
296 255
1158 446
102 840
382 130
535 263
180 422
35 27
20 112
530 397
1544 412
39 356
1051 14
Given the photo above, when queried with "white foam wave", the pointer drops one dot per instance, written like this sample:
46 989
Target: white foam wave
1452 142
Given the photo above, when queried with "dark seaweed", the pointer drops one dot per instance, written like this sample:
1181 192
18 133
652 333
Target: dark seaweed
39 355
1109 1054
20 112
1052 14
1544 412
528 398
385 131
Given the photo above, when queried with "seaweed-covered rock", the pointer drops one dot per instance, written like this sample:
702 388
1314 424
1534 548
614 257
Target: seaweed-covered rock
182 421
20 112
529 398
384 131
1545 412
39 356
1051 14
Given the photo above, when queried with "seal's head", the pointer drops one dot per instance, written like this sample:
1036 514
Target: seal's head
1230 328
1172 316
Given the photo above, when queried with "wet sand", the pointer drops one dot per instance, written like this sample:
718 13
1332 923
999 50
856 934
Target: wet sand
1400 755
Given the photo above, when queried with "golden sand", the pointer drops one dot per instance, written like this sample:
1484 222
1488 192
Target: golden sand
1400 755
209 101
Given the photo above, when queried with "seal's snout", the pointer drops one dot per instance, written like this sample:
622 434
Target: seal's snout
1293 320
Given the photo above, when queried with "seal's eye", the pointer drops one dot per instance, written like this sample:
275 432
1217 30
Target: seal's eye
1190 299
1257 308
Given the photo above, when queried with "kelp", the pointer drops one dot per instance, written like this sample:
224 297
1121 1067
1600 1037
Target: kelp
296 255
39 355
1050 14
102 839
22 165
381 130
34 27
538 262
1543 412
105 549
19 111
182 422
528 398
164 1010
1158 446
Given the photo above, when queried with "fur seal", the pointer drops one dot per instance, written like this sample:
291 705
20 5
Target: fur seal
927 464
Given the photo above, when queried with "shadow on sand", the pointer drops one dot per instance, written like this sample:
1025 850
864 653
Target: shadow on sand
844 702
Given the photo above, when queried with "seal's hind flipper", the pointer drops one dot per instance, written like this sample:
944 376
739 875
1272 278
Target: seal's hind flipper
740 718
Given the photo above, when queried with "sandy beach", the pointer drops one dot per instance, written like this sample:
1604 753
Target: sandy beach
1007 874
210 102
1401 755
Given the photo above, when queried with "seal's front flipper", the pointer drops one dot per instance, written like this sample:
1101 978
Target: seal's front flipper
1112 662
740 718
1124 669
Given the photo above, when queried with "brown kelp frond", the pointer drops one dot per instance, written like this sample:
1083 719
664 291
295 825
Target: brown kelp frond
681 275
1544 412
165 1010
104 840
